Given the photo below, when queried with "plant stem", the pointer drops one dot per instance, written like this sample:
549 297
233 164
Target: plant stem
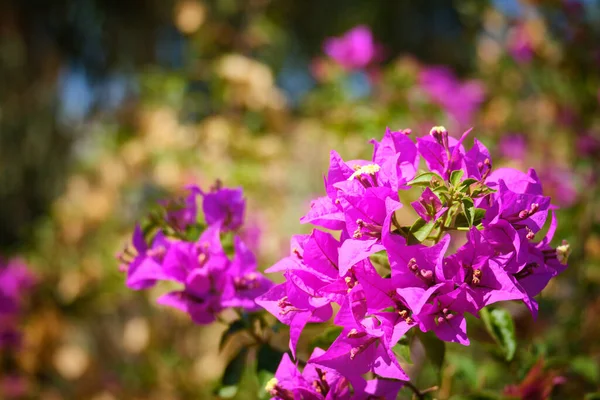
416 391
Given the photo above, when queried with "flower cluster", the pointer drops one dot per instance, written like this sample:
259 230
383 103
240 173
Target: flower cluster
171 249
388 278
15 280
319 383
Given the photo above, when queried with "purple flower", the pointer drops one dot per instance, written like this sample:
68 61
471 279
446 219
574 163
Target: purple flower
243 283
224 206
296 303
142 263
474 269
16 280
183 212
358 351
513 147
442 153
445 317
428 206
560 182
315 382
210 279
354 50
461 100
520 45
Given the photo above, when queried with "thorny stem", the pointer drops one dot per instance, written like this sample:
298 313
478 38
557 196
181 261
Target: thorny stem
419 394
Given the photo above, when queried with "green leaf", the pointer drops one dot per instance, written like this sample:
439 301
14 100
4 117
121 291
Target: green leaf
328 336
268 358
435 349
237 326
500 326
381 258
248 387
587 368
456 176
402 350
466 184
227 392
469 210
479 215
425 178
263 378
421 229
235 369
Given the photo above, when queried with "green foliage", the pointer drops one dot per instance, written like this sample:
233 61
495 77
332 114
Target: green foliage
435 350
325 339
500 326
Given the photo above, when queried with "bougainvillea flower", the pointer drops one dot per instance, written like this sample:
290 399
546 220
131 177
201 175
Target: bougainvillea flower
474 269
356 352
183 212
243 283
296 306
315 382
354 50
460 100
224 206
445 317
428 206
146 267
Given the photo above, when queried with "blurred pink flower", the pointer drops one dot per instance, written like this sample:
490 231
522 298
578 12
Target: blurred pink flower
560 183
520 46
354 50
588 145
459 99
537 385
513 146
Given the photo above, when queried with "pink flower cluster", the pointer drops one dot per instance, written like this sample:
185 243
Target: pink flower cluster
388 278
461 100
15 282
211 280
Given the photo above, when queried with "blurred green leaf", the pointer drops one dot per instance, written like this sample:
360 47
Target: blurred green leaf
380 258
402 350
235 369
328 336
500 326
268 358
263 378
586 367
237 326
435 349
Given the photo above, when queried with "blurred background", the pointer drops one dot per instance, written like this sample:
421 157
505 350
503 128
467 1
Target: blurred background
107 106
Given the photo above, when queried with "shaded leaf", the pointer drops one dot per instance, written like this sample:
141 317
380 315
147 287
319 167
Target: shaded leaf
435 349
328 336
500 326
237 326
268 358
235 369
